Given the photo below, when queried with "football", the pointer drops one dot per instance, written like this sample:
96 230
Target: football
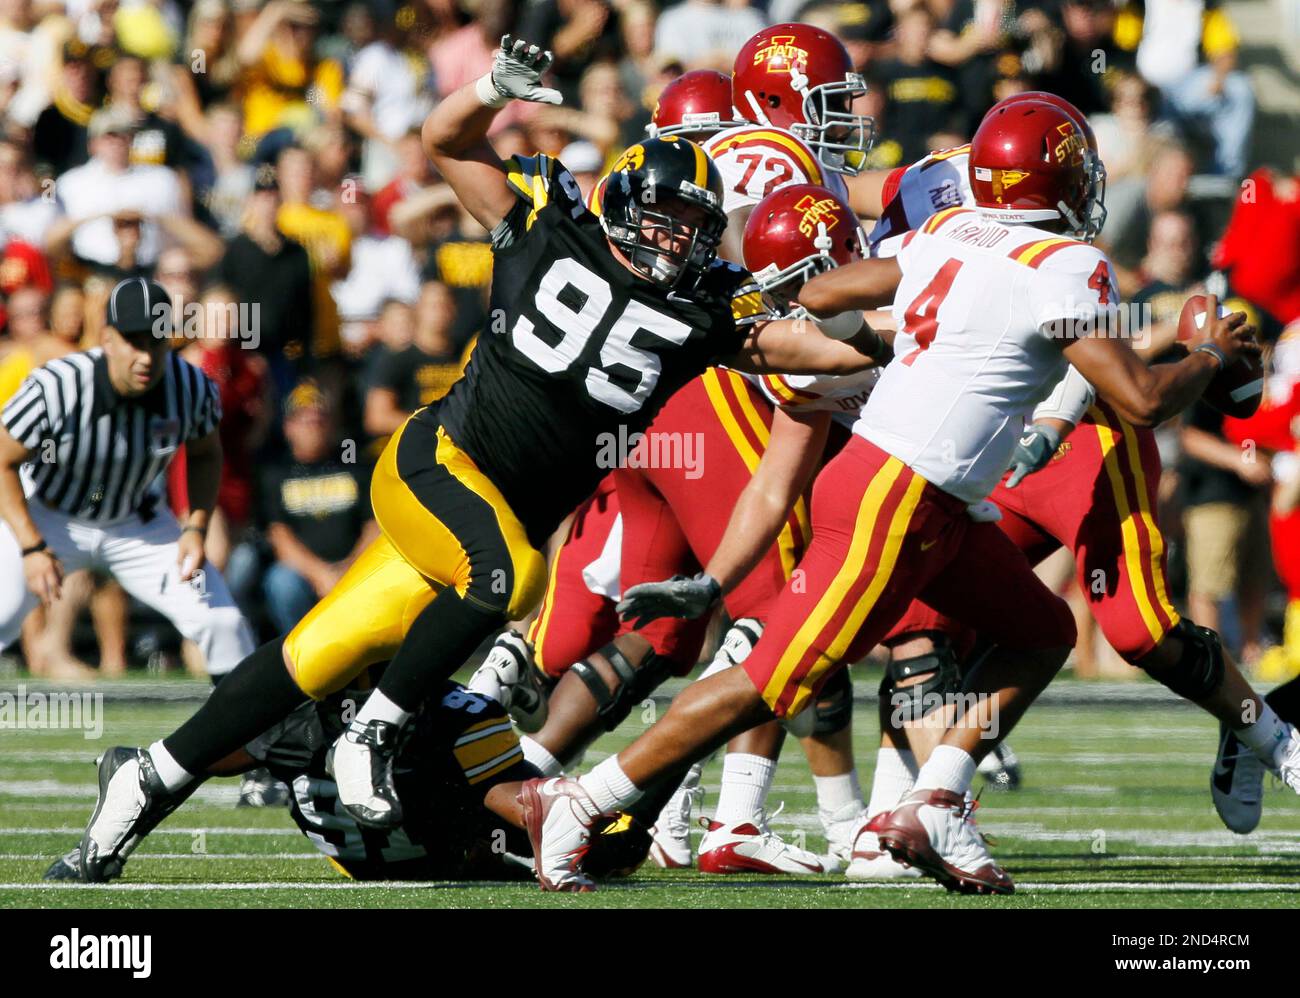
1238 388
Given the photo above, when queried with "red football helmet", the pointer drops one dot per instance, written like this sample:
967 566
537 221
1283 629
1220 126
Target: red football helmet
695 104
800 78
796 233
1028 164
1095 212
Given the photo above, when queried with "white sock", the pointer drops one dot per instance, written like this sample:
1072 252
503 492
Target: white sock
171 772
379 708
537 753
895 774
746 780
838 792
1267 735
609 788
949 768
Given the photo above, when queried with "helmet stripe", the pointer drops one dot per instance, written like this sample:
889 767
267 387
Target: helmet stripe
701 166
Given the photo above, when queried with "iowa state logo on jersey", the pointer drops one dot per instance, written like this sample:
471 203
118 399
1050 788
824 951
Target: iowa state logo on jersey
816 210
782 55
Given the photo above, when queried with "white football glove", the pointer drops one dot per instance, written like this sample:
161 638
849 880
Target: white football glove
516 74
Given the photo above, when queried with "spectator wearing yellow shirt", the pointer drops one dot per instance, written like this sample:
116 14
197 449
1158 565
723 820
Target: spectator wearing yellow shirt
326 236
283 83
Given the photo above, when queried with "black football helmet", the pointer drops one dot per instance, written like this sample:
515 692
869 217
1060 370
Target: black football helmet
662 206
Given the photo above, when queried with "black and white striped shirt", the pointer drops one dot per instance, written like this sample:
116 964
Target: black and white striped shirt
95 453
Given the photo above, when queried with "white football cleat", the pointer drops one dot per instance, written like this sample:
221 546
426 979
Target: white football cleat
1286 759
361 762
1237 783
560 818
841 828
933 831
752 847
670 846
509 676
869 860
132 800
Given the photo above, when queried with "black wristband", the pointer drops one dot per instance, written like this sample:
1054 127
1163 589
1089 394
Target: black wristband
201 531
38 546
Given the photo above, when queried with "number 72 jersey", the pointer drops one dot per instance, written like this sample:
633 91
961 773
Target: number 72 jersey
576 347
982 309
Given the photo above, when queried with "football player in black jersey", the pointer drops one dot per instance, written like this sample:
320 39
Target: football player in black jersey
594 323
458 770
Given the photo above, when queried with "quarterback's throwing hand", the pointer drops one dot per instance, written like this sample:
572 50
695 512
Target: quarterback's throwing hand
517 72
1033 450
675 597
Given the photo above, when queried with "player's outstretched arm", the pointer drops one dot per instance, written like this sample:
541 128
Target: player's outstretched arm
863 284
455 133
784 471
788 464
1147 396
798 346
867 192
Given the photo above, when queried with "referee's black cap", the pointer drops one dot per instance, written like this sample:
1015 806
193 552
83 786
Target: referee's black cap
138 305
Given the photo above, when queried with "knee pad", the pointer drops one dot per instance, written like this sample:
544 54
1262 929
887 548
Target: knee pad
834 709
1199 671
613 705
914 702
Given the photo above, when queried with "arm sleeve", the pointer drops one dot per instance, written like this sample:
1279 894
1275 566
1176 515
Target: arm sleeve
1070 399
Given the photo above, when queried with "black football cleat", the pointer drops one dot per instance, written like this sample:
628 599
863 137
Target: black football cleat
132 801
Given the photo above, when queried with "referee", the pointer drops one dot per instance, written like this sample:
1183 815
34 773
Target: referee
84 446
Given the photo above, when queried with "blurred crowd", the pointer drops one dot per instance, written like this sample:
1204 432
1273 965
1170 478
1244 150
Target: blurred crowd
262 159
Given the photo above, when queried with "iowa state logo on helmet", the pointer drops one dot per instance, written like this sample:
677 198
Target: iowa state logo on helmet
1071 146
816 210
782 55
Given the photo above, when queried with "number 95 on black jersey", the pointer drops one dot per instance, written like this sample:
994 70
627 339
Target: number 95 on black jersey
576 346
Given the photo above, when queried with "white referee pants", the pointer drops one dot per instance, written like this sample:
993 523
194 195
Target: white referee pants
142 557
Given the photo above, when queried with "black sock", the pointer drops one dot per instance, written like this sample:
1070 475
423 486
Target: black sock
1285 700
445 633
253 696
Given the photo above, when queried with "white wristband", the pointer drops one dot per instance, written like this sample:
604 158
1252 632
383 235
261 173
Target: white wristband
487 92
843 326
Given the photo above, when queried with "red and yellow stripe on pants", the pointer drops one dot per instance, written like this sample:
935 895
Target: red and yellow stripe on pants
853 576
1098 497
675 513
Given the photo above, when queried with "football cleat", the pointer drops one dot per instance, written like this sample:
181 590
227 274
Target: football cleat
841 829
868 859
132 801
1001 768
258 788
509 676
752 847
361 763
671 835
933 831
1286 759
68 867
1237 784
559 817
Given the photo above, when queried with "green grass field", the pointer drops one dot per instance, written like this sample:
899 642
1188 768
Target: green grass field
1115 812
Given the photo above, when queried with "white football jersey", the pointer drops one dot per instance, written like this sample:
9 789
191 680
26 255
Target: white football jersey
971 356
756 160
914 193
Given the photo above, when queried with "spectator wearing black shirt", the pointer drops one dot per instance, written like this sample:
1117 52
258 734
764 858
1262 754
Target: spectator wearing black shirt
463 262
59 136
269 270
922 93
424 372
1225 500
315 509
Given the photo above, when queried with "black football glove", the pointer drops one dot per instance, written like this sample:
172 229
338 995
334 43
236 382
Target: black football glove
675 597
